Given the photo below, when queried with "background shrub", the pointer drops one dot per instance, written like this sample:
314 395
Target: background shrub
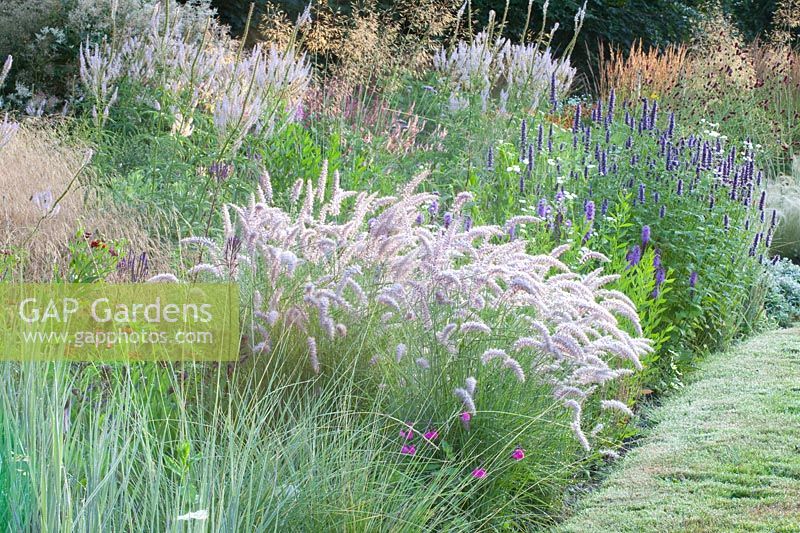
783 297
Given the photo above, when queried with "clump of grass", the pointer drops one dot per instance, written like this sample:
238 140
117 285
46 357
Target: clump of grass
45 201
639 72
785 197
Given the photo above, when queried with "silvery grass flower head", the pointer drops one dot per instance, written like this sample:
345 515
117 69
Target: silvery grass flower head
8 128
45 201
314 264
242 92
5 70
490 65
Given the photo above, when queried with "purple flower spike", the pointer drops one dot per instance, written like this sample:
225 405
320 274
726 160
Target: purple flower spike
523 136
541 208
645 236
634 256
448 219
693 279
539 138
660 276
611 102
653 115
589 211
662 212
467 223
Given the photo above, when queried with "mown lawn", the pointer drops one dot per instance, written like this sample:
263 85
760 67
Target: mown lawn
723 455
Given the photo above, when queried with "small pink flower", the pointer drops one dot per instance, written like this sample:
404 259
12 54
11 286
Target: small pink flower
479 473
408 450
518 454
465 416
407 434
431 434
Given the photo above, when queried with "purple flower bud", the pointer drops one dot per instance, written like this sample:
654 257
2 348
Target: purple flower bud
762 200
490 160
693 279
680 187
467 223
657 259
726 222
604 207
774 221
641 193
553 97
577 120
447 219
662 212
433 209
419 219
645 236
